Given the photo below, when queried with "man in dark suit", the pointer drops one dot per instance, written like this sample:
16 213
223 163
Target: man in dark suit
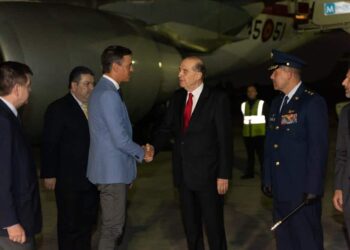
342 160
199 119
65 149
20 212
296 152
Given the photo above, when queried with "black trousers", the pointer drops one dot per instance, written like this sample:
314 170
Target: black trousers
76 218
303 230
198 207
254 145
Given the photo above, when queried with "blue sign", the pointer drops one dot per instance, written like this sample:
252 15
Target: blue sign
329 9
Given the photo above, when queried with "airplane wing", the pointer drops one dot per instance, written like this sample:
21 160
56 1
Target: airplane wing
197 25
191 38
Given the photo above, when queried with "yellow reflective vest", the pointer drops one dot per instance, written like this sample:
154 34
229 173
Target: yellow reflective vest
253 119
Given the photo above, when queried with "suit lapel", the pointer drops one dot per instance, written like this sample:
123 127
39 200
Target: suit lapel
295 99
114 88
200 104
14 120
110 85
8 112
75 107
280 103
201 101
182 105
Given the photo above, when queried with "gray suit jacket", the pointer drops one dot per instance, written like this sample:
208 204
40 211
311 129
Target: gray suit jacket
112 153
342 159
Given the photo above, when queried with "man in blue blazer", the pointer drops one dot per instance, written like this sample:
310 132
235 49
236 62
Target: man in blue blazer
296 152
20 212
112 154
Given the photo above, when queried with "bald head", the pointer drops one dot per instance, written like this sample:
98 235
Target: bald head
191 73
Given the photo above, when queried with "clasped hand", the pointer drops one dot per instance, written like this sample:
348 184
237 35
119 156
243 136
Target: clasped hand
149 152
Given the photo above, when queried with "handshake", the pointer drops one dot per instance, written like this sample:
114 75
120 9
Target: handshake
149 152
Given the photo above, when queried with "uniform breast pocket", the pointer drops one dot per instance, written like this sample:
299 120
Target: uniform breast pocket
295 131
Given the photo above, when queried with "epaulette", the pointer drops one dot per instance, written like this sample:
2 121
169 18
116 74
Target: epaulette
309 92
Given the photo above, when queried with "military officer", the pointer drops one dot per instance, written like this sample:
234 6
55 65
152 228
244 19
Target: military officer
295 155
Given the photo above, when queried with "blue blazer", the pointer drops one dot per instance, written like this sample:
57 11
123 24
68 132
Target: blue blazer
19 192
296 146
112 153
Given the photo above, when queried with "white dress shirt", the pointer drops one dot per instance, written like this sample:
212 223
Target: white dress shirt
293 91
196 94
290 95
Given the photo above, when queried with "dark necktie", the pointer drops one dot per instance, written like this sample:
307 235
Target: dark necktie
188 112
19 119
284 103
121 94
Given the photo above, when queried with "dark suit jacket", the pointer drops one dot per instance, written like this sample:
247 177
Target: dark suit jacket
296 146
19 193
342 159
65 145
204 152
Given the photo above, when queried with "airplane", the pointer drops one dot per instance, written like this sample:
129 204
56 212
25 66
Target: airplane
53 38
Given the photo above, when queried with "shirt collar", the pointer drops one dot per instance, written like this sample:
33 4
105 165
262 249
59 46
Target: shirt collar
293 91
197 92
10 106
78 101
113 81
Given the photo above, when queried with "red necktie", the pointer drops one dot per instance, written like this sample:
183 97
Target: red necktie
188 112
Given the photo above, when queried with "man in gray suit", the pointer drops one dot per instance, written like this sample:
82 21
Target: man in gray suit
341 199
112 154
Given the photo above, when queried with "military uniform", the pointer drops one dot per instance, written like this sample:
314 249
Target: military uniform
296 150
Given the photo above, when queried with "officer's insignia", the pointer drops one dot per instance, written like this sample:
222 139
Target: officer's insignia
289 119
296 98
272 118
309 92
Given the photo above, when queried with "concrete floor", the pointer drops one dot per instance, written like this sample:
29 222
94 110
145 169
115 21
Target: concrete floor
154 219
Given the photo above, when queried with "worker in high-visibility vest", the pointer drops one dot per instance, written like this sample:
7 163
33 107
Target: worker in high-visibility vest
254 126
